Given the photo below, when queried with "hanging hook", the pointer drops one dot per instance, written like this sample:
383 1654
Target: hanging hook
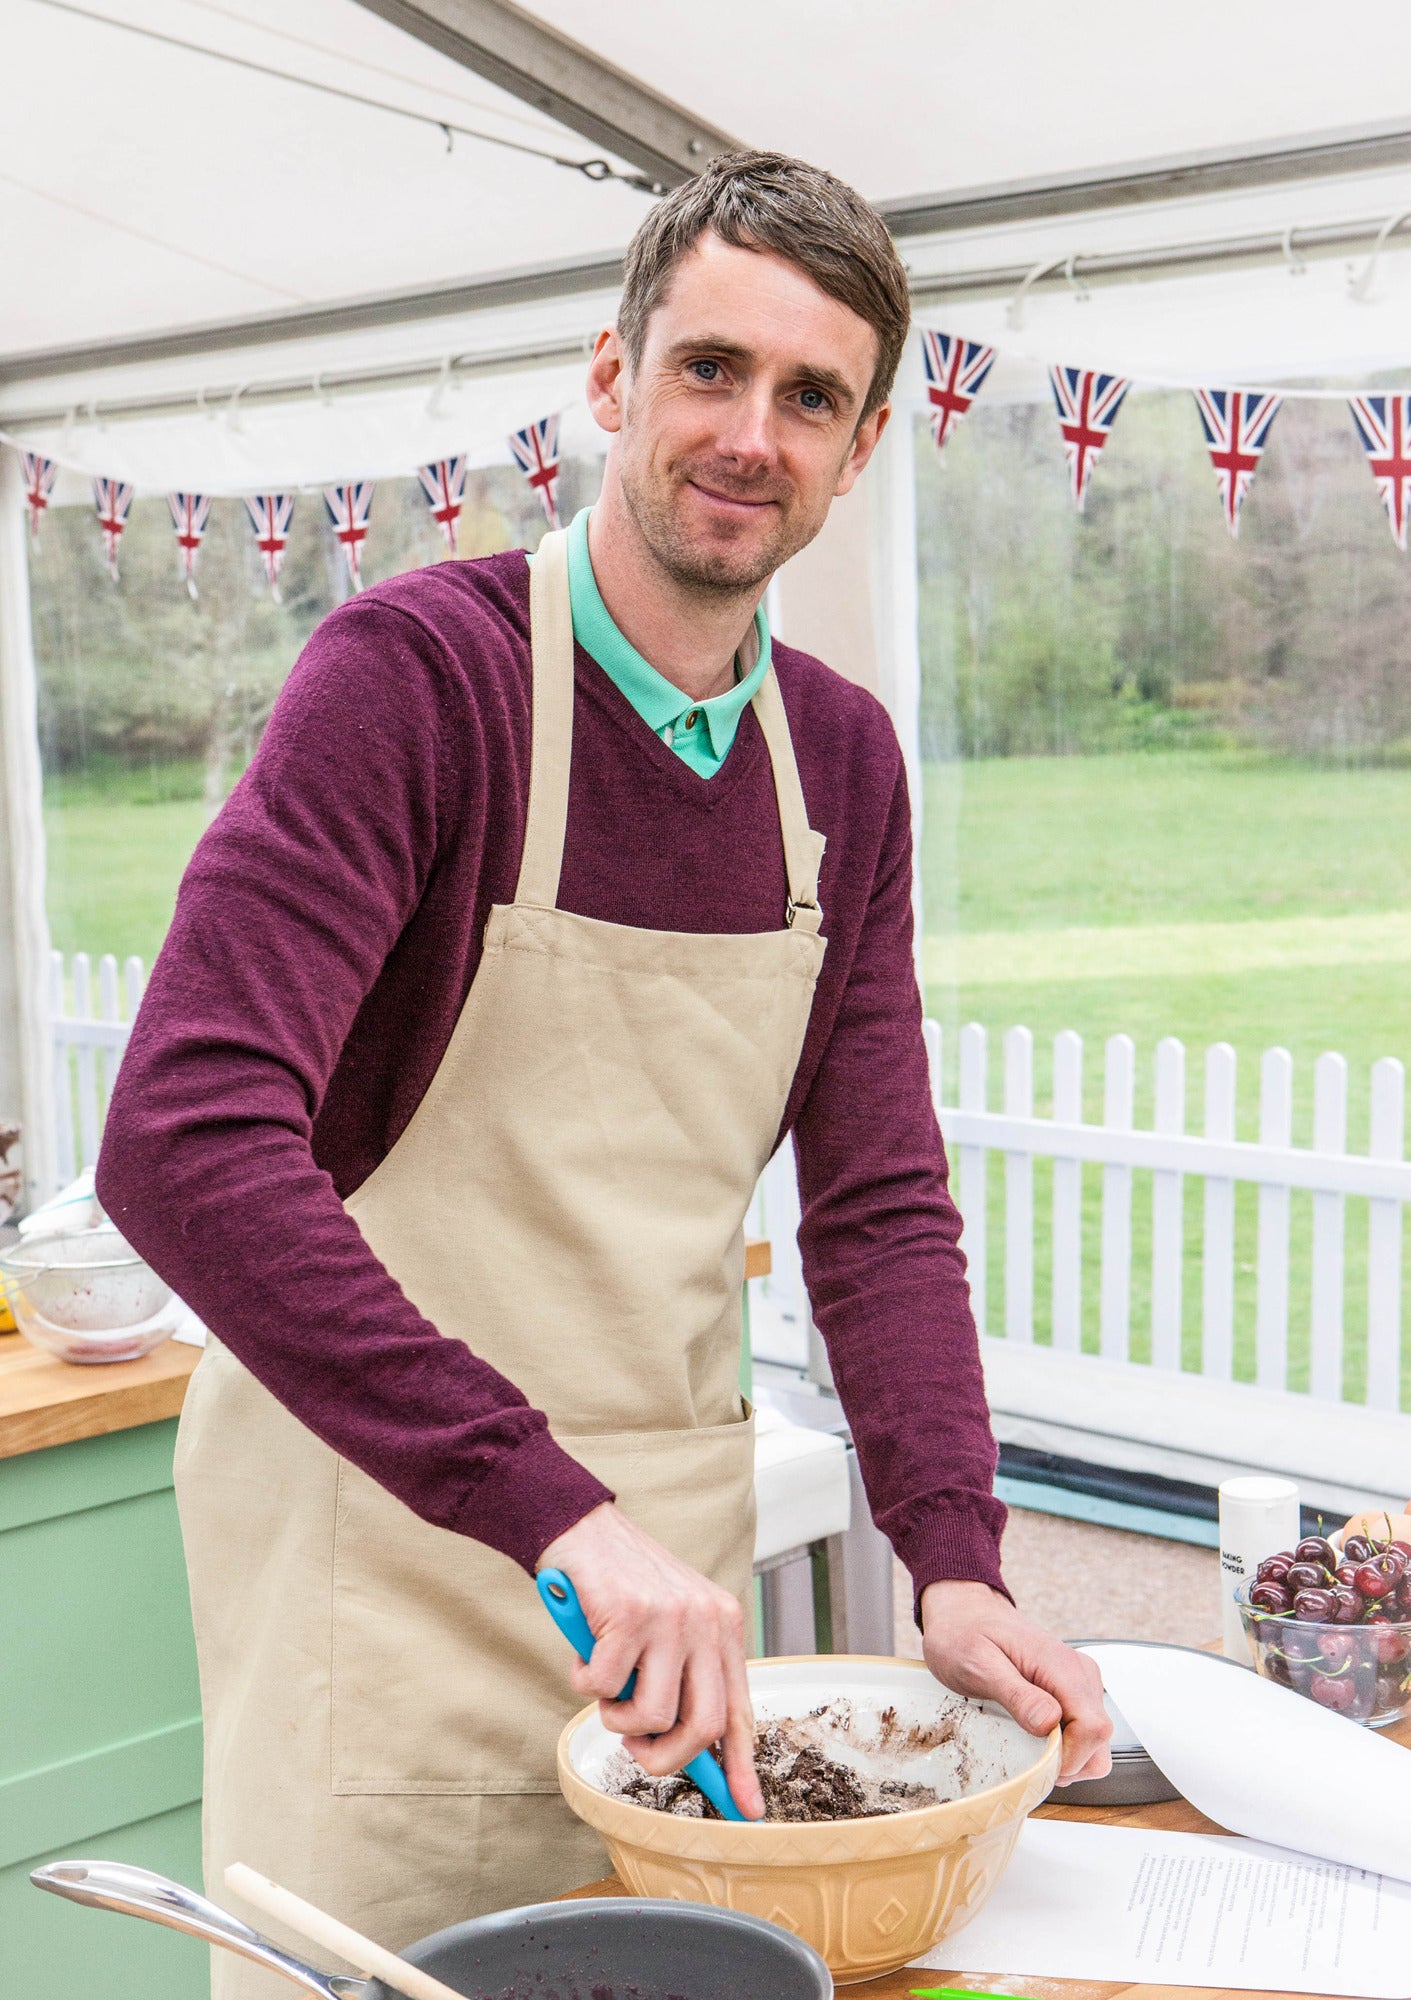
433 401
1360 287
1014 311
1297 267
1081 294
232 409
450 137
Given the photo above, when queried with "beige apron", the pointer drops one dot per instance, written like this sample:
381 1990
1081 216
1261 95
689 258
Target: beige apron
382 1698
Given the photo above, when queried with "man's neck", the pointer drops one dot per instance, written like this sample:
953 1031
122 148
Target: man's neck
690 637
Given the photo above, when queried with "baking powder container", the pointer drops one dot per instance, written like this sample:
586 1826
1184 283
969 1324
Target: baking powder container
1259 1515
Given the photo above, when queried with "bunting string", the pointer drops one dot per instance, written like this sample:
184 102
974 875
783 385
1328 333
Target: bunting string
1236 423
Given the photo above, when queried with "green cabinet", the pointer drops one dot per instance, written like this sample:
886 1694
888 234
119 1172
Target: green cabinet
100 1724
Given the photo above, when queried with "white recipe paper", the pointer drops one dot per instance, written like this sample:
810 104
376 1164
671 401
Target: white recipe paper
1263 1761
1112 1903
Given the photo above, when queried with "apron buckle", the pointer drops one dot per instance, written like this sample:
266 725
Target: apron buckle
792 908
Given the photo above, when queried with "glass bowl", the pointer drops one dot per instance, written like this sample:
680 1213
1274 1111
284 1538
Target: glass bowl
1360 1671
85 1295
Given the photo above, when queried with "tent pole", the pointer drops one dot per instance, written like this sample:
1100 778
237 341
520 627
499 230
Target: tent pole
25 1028
534 62
895 610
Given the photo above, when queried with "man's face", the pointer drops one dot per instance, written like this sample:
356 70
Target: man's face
740 422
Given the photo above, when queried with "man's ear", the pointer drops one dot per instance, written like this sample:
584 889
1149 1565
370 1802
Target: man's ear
863 446
607 380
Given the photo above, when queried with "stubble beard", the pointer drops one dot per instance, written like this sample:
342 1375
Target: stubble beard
708 572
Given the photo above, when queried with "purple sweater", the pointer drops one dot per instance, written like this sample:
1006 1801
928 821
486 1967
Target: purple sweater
325 937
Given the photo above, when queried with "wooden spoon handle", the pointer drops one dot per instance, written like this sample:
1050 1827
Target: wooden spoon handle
319 1928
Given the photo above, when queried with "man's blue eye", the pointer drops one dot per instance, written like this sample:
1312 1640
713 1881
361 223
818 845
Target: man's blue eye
814 399
707 370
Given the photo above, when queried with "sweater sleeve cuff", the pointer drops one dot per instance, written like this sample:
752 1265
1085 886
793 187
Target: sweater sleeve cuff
531 1496
949 1547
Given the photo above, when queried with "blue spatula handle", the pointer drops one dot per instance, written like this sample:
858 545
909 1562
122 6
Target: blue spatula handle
561 1602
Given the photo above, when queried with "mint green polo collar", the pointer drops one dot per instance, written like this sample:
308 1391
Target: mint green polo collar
660 704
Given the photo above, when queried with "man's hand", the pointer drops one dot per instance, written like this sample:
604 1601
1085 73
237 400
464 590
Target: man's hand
977 1643
685 1638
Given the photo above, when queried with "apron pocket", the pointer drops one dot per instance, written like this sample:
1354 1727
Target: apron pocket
447 1673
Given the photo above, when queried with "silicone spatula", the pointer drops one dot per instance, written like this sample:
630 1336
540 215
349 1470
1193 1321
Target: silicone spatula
561 1602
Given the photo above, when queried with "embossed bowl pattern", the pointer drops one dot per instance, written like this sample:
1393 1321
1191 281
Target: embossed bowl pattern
869 1894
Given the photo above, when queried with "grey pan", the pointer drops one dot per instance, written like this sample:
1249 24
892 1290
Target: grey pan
600 1948
1134 1780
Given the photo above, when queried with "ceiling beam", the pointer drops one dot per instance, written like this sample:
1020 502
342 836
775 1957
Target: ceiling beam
1177 177
569 83
1365 150
568 278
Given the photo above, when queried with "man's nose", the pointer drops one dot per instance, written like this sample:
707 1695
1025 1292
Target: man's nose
748 433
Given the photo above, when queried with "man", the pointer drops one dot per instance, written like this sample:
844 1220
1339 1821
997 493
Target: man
486 1000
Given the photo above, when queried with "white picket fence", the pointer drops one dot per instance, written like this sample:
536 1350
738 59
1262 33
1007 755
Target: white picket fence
91 1028
92 1019
1273 1164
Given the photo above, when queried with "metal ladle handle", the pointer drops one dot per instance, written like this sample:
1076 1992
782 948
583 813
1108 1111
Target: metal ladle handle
137 1892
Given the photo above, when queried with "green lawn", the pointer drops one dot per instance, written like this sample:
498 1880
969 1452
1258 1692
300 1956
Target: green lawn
117 844
1214 898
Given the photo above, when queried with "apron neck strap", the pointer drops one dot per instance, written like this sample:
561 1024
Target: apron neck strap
551 722
803 848
551 748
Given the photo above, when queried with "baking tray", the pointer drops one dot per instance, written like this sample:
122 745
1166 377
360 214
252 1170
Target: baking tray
1134 1779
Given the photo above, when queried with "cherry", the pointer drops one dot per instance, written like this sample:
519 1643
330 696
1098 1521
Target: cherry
1270 1597
1338 1648
1389 1647
1401 1548
1274 1569
1307 1576
1379 1577
1315 1606
1338 1693
1314 1549
1347 1573
1349 1605
1358 1549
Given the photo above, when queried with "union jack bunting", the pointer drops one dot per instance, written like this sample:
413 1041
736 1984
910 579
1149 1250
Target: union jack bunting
443 483
1087 408
955 374
112 498
348 509
39 476
270 515
1236 426
189 515
536 450
1384 426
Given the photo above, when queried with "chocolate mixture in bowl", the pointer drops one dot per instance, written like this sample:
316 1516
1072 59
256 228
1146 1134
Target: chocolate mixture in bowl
799 1782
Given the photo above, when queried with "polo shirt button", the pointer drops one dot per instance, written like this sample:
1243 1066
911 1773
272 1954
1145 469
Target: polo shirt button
691 719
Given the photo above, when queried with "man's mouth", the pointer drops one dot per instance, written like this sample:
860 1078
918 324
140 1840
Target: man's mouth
734 502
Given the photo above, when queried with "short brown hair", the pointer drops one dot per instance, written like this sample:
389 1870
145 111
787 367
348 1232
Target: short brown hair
766 201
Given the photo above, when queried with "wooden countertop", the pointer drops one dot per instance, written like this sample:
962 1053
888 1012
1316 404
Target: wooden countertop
1173 1817
44 1401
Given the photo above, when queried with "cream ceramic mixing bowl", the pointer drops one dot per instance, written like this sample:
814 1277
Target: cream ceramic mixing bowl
868 1894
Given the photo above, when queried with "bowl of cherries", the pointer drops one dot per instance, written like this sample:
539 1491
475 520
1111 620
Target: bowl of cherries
1332 1620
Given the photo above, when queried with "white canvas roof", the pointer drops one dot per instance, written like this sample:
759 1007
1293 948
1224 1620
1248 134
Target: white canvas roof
144 187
